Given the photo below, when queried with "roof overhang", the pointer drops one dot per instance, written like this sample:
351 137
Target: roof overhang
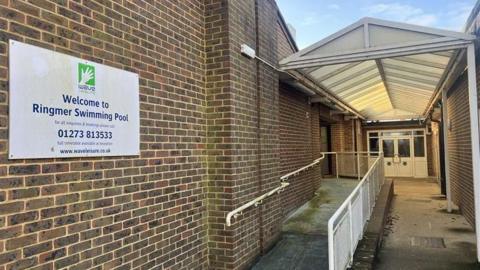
381 70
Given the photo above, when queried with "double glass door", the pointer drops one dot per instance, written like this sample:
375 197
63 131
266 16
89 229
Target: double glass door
397 156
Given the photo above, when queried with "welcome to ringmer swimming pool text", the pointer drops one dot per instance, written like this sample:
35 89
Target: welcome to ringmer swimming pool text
38 108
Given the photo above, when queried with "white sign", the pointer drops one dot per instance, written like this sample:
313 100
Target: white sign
63 106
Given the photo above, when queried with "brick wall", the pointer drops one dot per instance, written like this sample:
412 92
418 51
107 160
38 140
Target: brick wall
342 133
140 212
284 45
459 148
268 106
246 142
316 143
296 143
435 149
211 139
220 134
430 155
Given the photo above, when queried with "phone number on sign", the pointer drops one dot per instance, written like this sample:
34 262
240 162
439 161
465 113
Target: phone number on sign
90 134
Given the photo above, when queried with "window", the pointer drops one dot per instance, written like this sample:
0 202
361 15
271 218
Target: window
396 133
388 148
418 132
374 146
404 147
419 146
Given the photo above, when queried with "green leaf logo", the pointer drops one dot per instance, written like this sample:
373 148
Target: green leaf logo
86 74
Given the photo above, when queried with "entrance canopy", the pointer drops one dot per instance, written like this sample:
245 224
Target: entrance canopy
382 70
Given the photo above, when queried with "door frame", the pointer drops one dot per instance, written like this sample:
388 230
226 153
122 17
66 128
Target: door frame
329 146
412 144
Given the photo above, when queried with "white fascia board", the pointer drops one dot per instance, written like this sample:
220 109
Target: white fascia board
322 60
420 29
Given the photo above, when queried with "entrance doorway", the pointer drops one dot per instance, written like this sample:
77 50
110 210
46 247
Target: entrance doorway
404 151
398 159
325 146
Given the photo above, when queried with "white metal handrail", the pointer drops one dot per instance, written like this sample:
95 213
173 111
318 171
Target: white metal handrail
315 162
358 166
257 201
347 224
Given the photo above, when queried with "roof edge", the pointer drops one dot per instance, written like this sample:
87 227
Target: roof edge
374 21
284 25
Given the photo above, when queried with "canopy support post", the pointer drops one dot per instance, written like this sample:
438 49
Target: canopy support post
473 106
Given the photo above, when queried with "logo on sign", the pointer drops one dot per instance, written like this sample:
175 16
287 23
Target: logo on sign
86 78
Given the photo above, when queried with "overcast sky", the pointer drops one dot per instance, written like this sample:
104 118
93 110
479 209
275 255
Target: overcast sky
316 19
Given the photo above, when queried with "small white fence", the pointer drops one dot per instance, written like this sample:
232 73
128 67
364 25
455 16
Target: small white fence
349 164
347 225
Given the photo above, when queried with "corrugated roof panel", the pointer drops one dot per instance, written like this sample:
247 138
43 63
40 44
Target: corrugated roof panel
412 93
372 80
435 73
353 79
347 73
412 79
364 92
417 76
414 66
370 99
381 68
431 58
403 87
326 71
410 83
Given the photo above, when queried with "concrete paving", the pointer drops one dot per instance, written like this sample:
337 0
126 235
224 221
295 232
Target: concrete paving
421 235
304 242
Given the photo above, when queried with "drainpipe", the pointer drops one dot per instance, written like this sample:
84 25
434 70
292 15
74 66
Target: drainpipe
473 106
445 150
259 141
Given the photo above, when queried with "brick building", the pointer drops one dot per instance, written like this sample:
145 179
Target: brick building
217 129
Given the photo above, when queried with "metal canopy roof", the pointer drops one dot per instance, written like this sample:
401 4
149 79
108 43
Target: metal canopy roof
383 70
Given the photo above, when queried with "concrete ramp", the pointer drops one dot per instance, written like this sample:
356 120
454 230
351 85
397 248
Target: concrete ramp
304 241
296 251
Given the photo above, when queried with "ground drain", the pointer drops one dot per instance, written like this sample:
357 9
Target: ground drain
427 242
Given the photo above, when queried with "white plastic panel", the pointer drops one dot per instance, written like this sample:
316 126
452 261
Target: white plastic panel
350 73
326 71
352 40
383 36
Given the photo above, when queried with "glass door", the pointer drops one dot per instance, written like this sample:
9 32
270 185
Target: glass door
388 148
404 157
397 156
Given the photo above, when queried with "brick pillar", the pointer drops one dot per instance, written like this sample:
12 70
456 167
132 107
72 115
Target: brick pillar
242 124
219 132
268 108
315 123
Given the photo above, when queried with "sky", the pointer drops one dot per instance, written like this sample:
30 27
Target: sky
316 19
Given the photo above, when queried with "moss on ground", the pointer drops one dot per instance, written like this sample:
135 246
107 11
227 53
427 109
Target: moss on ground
304 221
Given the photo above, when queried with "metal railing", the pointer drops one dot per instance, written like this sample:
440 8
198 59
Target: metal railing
347 224
257 201
350 164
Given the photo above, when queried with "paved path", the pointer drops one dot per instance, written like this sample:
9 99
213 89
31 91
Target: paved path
304 242
422 235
